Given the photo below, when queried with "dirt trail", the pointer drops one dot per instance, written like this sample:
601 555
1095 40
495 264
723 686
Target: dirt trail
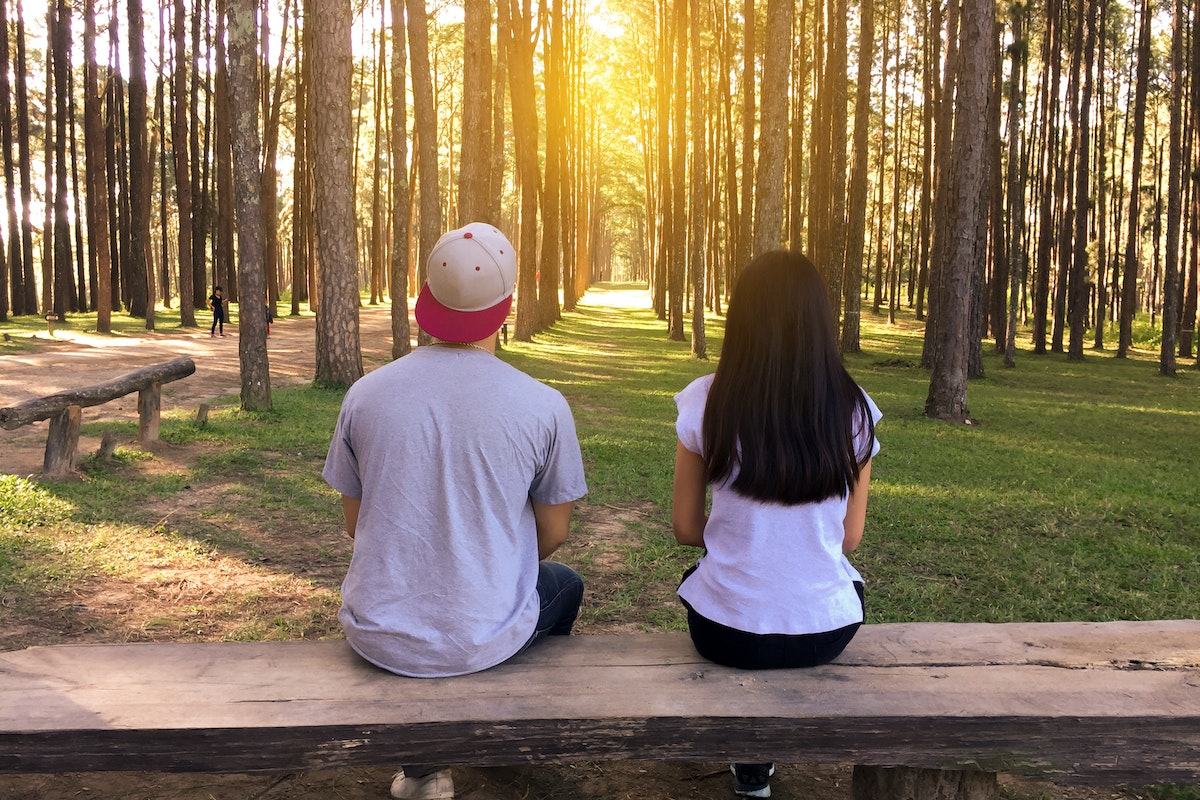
72 359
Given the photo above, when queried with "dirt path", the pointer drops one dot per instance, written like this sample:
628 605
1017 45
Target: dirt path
72 359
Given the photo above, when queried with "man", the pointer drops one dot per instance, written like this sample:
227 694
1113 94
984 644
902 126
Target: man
458 475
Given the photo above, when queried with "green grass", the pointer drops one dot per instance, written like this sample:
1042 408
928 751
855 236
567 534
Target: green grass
1072 498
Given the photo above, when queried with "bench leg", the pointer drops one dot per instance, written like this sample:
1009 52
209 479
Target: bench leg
61 443
912 783
149 403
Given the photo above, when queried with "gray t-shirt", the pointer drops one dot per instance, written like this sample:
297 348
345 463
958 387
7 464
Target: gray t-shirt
446 447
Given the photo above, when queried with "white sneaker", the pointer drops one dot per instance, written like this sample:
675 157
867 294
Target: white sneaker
435 786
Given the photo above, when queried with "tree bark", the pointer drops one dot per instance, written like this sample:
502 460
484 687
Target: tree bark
474 175
772 162
947 397
139 177
1129 278
339 355
520 48
247 151
401 196
857 228
183 174
425 119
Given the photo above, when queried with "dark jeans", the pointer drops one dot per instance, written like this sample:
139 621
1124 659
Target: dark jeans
560 591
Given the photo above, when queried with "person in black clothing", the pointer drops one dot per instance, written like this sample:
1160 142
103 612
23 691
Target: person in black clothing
217 303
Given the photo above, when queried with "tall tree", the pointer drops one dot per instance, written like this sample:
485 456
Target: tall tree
1171 297
772 161
520 44
1129 277
699 180
135 268
28 284
1018 51
64 294
183 174
1078 284
947 397
550 262
247 150
401 200
856 229
339 354
425 121
474 163
12 256
745 232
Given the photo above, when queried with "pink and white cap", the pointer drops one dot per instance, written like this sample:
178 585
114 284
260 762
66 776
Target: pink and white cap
469 284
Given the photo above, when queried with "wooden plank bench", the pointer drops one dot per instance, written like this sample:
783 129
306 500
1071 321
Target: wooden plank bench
63 409
1099 703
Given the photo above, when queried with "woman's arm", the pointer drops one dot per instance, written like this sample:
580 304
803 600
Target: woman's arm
856 509
687 505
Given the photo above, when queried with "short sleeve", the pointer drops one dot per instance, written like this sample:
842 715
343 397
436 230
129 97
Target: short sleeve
341 464
561 477
689 422
861 431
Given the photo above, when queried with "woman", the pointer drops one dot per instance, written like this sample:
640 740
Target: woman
783 438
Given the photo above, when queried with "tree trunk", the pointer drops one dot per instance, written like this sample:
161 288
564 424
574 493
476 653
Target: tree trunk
474 163
520 47
339 356
224 271
550 263
967 172
139 178
1129 278
1171 283
401 197
699 179
64 295
745 231
677 265
857 228
1016 180
183 175
28 287
247 150
425 119
772 163
13 232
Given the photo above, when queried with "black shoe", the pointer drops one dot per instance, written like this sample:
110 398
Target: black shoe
752 780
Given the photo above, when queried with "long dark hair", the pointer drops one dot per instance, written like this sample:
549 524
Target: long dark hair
782 410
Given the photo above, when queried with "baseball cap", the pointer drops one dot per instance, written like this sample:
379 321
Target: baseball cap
469 284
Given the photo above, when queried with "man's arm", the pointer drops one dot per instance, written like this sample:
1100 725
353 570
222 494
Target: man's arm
350 507
553 522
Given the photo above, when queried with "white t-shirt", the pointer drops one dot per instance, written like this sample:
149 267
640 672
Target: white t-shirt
446 447
769 567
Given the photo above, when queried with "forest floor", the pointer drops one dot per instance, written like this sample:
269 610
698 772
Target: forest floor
72 359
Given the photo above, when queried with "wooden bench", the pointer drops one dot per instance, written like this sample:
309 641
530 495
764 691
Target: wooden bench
63 409
1100 703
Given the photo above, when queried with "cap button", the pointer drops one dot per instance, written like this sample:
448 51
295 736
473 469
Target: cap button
468 235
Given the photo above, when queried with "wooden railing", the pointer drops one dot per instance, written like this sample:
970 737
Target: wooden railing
63 409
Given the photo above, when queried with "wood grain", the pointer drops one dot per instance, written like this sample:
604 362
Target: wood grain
1077 702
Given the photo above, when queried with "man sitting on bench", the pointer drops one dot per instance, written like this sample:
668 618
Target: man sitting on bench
458 475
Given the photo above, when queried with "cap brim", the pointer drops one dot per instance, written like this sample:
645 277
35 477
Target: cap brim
458 326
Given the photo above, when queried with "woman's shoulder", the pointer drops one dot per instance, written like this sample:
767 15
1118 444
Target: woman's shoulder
696 389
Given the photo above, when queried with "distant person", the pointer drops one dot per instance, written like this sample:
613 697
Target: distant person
458 475
782 437
217 303
270 315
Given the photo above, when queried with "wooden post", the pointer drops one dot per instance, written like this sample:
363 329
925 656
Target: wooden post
913 783
149 403
61 442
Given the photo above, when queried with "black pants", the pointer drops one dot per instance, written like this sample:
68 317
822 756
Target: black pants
743 650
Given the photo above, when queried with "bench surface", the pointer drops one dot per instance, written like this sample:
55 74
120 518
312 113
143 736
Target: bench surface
1115 702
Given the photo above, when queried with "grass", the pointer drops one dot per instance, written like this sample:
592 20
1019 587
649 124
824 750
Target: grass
1072 498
